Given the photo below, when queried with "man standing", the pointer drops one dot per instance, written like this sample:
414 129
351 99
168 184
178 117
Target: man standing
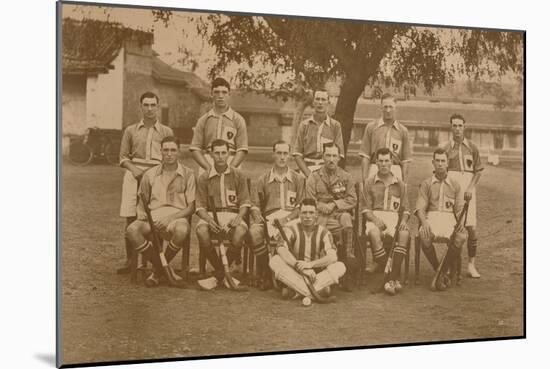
221 122
333 189
438 207
386 132
227 186
170 188
311 254
139 151
465 167
315 132
384 196
282 190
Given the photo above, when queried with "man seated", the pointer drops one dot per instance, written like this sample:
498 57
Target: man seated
384 196
438 207
227 187
170 188
282 189
333 189
311 253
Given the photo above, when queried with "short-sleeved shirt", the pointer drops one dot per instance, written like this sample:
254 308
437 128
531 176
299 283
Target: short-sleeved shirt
394 137
284 192
377 196
311 137
307 247
178 192
337 188
229 126
436 195
229 190
141 144
463 157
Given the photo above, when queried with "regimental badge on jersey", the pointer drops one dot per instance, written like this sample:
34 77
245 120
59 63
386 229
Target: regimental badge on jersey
338 189
468 162
448 203
291 198
323 141
395 145
228 134
231 197
395 202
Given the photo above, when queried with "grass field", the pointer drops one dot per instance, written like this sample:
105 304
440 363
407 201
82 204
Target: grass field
106 318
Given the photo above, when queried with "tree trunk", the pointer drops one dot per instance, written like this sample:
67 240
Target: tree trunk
350 91
299 108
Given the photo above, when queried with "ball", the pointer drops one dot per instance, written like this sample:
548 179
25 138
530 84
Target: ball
306 301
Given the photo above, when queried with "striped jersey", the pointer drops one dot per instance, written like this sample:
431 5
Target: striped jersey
304 245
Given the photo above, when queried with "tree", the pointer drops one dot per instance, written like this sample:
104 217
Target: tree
272 51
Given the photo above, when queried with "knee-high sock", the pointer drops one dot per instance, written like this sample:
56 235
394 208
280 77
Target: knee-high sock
398 254
171 251
347 235
431 256
379 255
151 253
472 247
215 261
262 259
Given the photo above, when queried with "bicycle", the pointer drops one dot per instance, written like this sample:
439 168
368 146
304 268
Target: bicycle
95 143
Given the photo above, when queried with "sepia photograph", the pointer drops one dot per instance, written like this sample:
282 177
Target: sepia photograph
246 184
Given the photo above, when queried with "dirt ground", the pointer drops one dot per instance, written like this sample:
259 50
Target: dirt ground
105 318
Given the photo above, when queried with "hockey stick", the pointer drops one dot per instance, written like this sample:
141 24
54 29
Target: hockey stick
173 279
438 273
267 238
221 239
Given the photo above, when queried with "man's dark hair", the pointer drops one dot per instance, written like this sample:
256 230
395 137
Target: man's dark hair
320 90
330 144
383 151
219 81
148 95
219 142
387 95
173 139
281 142
457 116
308 202
440 151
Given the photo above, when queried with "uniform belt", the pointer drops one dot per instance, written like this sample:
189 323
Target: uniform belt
227 210
146 163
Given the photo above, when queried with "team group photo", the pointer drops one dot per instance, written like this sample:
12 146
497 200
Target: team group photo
285 184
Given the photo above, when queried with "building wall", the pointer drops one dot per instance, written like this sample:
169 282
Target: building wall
263 129
74 105
137 78
183 109
104 97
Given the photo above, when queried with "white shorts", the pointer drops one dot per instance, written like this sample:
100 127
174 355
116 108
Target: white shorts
224 218
395 169
442 224
129 195
464 178
389 218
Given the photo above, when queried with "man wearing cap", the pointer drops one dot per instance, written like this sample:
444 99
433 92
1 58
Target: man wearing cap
386 132
282 190
221 122
315 132
465 167
140 150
